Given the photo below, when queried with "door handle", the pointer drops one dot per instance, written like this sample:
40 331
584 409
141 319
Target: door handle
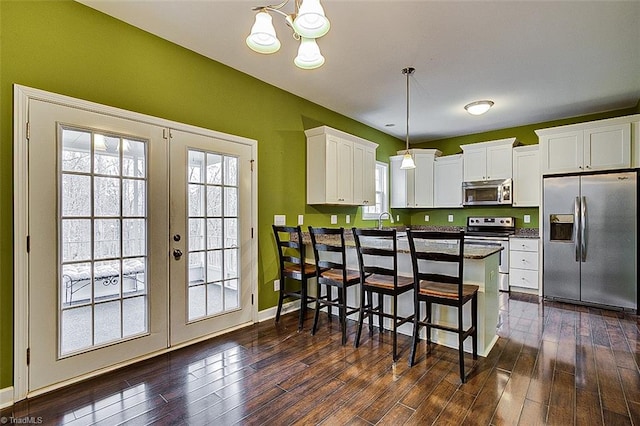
576 224
583 229
177 254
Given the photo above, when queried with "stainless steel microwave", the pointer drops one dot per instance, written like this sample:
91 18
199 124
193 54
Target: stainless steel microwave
485 193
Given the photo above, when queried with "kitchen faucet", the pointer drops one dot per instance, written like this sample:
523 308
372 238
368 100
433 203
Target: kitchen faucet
380 219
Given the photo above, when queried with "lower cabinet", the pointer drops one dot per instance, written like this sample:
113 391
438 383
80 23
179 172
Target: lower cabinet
524 263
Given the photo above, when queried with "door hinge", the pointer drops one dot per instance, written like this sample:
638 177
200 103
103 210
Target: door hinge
28 243
28 356
28 129
252 161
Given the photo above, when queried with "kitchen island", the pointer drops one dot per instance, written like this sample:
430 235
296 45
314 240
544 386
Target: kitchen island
480 268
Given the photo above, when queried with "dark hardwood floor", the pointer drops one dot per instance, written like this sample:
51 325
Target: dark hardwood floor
554 364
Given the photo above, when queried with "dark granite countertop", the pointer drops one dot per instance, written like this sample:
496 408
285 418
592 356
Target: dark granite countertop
533 233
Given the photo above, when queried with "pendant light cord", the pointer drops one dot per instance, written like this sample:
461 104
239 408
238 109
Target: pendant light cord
408 71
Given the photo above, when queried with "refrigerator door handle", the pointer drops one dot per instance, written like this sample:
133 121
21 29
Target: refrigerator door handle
576 223
583 229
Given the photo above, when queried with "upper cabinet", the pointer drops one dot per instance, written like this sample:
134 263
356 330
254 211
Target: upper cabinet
447 181
598 145
488 160
526 176
340 168
413 187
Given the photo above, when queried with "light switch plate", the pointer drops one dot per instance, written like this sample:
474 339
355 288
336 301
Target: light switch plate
279 220
348 218
334 219
450 218
426 218
300 219
527 218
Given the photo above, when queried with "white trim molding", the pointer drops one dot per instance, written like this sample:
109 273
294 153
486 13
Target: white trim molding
22 96
6 397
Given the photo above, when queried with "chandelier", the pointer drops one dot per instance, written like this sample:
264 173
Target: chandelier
308 23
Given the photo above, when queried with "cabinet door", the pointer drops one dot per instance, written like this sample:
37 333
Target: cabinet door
447 182
398 182
475 164
607 147
526 178
562 153
499 162
364 175
345 172
423 181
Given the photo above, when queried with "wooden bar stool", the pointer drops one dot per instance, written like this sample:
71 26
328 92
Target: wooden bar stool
291 255
331 263
435 283
378 259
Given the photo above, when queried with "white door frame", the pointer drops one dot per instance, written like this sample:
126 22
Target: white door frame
21 97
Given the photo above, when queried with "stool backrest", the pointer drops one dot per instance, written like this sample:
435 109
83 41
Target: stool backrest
376 248
329 251
430 254
291 251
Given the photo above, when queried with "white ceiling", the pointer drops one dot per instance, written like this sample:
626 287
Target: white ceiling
537 60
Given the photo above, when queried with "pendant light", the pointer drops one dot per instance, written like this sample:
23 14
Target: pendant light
407 160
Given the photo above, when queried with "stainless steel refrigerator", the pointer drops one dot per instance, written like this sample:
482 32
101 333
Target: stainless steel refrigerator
590 239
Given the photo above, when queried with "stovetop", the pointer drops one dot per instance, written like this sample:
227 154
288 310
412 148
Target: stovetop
490 226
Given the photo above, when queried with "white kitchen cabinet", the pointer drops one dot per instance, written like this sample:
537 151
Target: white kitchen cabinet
340 168
364 174
526 176
490 160
413 188
584 147
524 263
447 181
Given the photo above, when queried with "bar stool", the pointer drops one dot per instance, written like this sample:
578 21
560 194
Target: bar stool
379 274
332 272
291 255
430 250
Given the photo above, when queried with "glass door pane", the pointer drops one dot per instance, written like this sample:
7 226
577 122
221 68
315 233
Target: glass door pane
212 188
103 218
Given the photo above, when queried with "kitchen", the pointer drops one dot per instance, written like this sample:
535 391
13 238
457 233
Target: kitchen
22 63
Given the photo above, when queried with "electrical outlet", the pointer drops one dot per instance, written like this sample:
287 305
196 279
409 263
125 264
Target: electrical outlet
527 218
334 219
276 285
397 218
300 219
279 220
348 218
426 218
450 218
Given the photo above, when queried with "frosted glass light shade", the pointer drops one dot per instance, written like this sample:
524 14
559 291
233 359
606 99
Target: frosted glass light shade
407 162
310 21
263 35
309 56
478 107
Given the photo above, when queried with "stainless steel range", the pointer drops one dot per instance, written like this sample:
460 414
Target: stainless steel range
493 230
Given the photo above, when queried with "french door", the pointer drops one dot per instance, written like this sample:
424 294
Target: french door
140 239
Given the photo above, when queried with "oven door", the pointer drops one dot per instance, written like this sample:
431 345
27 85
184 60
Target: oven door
503 268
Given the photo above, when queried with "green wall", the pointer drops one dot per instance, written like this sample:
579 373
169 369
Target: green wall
525 135
65 47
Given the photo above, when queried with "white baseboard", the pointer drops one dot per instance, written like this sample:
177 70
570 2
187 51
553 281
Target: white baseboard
270 313
6 397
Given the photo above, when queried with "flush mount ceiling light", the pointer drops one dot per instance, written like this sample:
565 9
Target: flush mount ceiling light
478 107
407 160
308 23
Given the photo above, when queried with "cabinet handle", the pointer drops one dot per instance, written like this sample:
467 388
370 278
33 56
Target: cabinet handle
579 167
588 166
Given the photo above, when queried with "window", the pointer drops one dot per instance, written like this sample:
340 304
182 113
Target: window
382 193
